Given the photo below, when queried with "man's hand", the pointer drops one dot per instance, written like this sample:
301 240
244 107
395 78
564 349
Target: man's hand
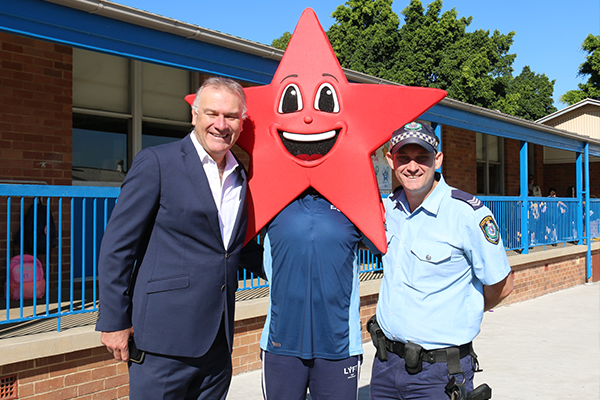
117 342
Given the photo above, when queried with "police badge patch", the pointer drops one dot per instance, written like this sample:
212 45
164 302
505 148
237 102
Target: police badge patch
490 229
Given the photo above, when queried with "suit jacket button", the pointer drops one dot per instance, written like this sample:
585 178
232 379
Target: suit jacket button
226 255
223 288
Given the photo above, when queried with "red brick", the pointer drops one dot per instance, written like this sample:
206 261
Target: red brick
48 385
104 372
90 387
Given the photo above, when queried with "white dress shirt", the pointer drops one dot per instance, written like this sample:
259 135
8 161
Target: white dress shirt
227 195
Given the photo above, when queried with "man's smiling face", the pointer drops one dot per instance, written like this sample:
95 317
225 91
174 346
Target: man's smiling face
414 167
218 120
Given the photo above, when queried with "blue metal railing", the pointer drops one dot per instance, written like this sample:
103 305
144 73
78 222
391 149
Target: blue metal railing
81 215
551 220
506 211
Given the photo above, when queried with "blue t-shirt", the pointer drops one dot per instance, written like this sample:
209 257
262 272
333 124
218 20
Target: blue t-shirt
311 263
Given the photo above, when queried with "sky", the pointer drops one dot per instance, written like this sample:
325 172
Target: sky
548 38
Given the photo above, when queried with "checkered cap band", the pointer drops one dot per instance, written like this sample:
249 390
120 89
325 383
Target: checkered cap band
432 140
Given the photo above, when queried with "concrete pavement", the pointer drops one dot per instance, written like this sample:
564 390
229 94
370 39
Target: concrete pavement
545 348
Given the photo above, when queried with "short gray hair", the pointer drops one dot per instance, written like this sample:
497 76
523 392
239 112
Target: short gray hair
219 82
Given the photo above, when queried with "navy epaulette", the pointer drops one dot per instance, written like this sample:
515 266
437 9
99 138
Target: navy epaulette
467 198
395 193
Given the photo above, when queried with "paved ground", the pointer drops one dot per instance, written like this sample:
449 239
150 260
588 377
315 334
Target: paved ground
546 348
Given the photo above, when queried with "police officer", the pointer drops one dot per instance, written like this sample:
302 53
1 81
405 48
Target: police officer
445 265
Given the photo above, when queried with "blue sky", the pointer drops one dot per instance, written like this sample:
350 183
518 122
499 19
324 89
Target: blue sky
548 36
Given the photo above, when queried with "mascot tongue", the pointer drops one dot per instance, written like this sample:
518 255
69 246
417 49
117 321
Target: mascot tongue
306 157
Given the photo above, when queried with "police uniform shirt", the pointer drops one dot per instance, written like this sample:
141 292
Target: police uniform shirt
438 258
310 259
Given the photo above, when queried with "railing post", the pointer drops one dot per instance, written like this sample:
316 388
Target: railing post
524 197
588 232
437 129
579 190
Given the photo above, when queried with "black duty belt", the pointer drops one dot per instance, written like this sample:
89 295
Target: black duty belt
431 356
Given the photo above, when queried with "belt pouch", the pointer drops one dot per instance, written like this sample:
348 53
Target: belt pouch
413 358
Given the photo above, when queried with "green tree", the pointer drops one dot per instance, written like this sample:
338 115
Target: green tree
364 36
437 51
282 42
434 49
528 95
591 67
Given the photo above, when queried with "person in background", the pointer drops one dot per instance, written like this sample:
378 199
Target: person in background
534 189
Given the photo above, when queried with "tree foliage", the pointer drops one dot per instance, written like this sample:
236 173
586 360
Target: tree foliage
365 35
591 67
282 42
434 49
528 95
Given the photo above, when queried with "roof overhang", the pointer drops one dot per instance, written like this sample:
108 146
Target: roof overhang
582 103
111 28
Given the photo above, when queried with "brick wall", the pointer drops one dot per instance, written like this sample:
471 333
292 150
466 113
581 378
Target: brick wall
460 163
368 306
561 176
35 110
86 375
246 345
538 168
512 165
93 374
35 120
540 278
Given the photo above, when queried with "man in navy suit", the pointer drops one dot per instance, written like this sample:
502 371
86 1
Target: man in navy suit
170 254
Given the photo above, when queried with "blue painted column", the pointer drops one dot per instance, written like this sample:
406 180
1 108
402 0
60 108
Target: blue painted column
588 232
524 197
437 129
579 190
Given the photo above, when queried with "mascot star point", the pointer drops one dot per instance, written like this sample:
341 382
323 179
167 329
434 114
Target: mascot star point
310 127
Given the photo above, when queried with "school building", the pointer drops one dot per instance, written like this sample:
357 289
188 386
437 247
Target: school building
86 84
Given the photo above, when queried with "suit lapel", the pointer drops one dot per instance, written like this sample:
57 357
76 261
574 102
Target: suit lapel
195 170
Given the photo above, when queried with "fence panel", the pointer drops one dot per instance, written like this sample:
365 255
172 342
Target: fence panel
78 216
594 218
507 212
60 227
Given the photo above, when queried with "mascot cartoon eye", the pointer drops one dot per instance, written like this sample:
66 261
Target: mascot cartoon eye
326 99
291 101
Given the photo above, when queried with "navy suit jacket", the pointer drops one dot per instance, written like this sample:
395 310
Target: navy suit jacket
163 267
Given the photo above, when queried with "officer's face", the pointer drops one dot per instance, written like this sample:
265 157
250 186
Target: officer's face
414 168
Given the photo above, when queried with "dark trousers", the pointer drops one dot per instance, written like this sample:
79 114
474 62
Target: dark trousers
390 380
288 377
183 378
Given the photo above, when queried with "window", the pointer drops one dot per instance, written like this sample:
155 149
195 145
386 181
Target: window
121 106
490 165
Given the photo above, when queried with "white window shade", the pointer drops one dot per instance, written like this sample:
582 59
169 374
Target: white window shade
493 148
163 92
100 81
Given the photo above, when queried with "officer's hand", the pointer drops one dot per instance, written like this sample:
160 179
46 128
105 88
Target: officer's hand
117 343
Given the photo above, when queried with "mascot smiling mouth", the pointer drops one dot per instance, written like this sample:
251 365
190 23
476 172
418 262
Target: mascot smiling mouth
309 147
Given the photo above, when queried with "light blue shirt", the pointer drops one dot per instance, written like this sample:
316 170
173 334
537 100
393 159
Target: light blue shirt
438 259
